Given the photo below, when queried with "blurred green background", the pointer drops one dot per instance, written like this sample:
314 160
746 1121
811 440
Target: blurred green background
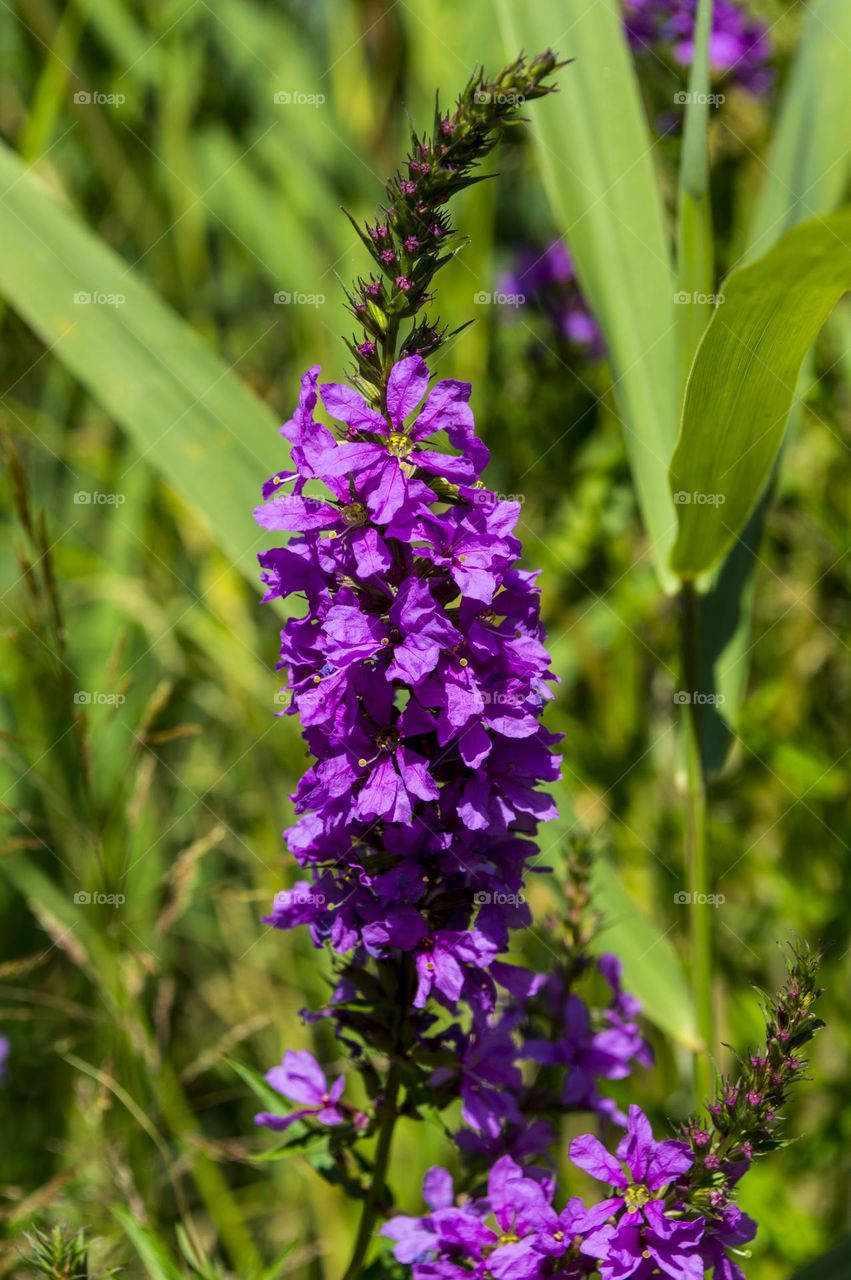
211 147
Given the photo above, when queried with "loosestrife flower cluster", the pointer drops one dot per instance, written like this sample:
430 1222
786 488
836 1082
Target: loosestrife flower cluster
739 46
670 1208
418 670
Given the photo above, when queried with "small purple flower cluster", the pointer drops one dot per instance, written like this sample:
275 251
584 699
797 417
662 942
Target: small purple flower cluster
670 1208
739 47
641 1230
546 278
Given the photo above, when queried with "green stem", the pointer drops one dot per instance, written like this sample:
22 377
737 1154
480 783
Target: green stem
696 851
372 1203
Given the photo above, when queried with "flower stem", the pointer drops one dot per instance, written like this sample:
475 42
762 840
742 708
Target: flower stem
696 852
379 1172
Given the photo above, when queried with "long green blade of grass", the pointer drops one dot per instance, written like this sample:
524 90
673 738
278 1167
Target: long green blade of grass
596 155
809 166
187 412
695 250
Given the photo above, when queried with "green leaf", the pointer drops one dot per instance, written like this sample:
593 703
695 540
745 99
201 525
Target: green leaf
186 411
652 968
836 1265
743 382
809 166
596 154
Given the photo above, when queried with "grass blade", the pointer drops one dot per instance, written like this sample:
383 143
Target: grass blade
596 155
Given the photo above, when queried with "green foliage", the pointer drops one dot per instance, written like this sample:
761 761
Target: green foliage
743 384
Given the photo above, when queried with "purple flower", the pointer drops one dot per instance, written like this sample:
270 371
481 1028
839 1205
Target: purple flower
544 277
301 1079
5 1050
643 1166
383 464
739 48
442 959
641 1175
733 1228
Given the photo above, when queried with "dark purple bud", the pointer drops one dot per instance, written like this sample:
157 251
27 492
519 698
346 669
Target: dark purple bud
403 283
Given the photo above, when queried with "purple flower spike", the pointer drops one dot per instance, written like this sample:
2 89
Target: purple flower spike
301 1079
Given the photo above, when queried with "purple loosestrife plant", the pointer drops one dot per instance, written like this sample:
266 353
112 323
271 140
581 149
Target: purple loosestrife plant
419 673
670 1205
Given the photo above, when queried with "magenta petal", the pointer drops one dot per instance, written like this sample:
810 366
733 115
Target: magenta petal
669 1160
347 405
299 1077
438 1191
270 1120
588 1153
292 514
406 387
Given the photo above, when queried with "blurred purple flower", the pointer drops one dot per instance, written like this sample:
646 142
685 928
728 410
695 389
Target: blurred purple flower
301 1079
